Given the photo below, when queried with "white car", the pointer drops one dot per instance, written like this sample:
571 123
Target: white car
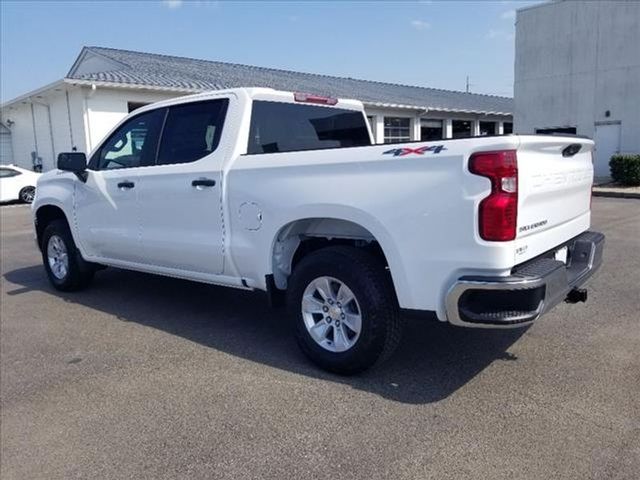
283 192
17 184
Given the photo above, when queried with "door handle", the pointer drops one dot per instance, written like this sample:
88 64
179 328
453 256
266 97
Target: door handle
126 185
203 182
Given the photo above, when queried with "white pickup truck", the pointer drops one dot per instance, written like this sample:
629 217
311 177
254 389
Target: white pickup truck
261 189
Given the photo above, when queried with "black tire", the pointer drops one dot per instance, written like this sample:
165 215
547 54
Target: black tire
27 194
367 278
79 272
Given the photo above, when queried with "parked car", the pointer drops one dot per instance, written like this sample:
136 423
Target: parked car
282 192
17 184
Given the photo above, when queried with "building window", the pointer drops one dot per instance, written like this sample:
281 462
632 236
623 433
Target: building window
487 128
131 106
461 128
507 128
557 131
397 129
431 130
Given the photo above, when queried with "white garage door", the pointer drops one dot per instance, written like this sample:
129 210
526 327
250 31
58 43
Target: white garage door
6 151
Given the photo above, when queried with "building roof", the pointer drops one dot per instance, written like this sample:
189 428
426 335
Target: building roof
128 68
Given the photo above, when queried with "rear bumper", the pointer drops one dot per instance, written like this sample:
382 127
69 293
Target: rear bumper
532 289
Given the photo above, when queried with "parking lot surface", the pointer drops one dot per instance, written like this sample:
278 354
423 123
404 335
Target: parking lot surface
149 377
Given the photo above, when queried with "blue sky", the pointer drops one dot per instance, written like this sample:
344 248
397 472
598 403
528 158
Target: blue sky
427 43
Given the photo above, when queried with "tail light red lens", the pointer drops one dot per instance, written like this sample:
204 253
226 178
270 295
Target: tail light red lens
498 213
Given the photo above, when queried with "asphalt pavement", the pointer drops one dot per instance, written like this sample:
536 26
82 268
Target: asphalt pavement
148 377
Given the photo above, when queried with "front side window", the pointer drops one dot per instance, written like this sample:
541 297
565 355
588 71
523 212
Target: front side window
287 127
8 172
397 129
134 144
192 131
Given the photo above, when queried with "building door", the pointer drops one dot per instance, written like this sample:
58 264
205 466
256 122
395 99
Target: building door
607 138
431 130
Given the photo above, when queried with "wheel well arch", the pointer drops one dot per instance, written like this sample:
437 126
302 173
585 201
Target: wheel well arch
300 237
44 216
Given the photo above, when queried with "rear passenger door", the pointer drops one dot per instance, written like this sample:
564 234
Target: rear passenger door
181 196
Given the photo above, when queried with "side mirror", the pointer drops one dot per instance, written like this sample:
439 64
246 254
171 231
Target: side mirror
75 162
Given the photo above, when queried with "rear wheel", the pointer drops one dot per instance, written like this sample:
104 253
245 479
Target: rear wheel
65 267
343 306
27 194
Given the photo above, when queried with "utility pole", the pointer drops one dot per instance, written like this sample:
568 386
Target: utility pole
468 84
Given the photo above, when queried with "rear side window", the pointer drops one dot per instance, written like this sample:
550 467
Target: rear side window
287 127
192 131
8 172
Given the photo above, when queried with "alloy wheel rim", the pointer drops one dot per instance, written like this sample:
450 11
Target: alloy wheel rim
28 195
331 314
57 257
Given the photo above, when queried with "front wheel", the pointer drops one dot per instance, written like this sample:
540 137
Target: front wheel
65 267
344 309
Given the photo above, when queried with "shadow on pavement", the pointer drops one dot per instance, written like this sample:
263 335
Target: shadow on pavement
433 361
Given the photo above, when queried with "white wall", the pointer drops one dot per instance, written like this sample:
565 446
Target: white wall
574 62
18 120
106 107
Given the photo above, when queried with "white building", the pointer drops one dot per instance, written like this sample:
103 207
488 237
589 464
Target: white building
577 70
106 84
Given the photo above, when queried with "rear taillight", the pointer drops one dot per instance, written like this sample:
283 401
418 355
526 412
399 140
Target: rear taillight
498 213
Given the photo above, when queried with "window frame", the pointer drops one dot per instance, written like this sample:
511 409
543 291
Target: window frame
94 161
396 138
223 114
361 113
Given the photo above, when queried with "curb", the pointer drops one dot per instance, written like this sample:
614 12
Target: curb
609 194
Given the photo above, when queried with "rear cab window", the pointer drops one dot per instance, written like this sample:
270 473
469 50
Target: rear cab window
289 127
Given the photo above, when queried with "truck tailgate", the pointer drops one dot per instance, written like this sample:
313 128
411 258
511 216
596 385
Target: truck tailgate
554 192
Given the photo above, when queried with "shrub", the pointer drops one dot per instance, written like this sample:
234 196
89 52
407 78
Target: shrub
625 169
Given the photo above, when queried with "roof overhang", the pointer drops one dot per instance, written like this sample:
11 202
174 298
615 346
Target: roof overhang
131 86
158 88
34 93
427 109
93 83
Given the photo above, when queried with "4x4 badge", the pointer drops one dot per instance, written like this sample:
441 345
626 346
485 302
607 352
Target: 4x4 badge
401 152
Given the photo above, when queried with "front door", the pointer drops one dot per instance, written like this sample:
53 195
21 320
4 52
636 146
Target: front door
180 197
607 138
106 205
